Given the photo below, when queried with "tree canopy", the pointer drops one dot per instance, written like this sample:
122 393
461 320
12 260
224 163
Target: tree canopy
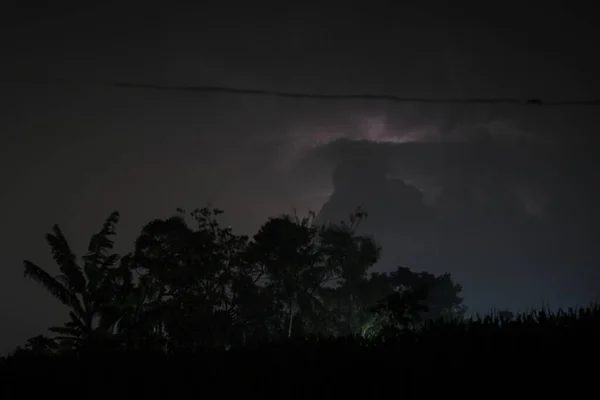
190 283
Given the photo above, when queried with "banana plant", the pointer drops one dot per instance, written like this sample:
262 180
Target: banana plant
85 289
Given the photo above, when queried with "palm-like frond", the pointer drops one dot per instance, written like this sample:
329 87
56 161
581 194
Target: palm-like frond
110 261
65 331
65 258
86 294
78 308
77 322
110 316
101 243
98 261
51 284
123 273
68 342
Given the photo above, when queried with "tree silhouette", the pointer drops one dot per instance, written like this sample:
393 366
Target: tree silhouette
417 297
311 272
86 291
191 284
287 250
350 256
188 278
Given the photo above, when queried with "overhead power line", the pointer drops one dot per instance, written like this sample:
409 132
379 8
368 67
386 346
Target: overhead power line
320 96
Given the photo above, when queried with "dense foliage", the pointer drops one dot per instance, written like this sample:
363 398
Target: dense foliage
293 312
191 283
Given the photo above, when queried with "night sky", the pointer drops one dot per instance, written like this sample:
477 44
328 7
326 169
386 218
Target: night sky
502 196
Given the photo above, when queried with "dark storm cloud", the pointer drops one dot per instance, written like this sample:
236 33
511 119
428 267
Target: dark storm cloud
440 161
503 217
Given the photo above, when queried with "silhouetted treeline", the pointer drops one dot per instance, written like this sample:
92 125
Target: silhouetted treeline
186 287
292 312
